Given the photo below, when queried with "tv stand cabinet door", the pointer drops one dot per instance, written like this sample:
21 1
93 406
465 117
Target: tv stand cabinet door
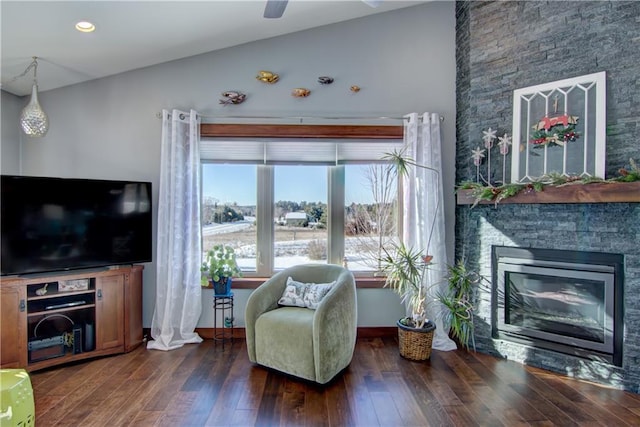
13 327
133 309
110 312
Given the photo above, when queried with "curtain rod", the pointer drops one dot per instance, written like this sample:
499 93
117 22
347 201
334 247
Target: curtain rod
182 117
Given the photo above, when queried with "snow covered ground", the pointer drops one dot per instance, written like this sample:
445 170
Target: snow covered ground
227 227
287 252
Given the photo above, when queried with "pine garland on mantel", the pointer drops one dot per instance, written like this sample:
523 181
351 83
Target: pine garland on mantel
496 194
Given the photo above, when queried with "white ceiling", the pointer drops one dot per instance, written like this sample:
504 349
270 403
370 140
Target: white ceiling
136 34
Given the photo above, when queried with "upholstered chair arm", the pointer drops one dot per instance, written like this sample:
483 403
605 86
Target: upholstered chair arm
335 328
264 298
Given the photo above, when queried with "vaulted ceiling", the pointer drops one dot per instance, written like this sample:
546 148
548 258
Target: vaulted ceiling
136 34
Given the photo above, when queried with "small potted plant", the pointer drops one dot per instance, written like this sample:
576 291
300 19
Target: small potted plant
219 267
404 268
458 302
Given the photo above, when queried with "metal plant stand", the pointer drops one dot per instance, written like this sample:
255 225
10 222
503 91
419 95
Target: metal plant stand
223 308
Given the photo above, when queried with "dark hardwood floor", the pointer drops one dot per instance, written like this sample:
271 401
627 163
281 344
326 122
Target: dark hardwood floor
202 385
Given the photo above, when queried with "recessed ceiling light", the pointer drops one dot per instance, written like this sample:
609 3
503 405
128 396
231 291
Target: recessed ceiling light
85 27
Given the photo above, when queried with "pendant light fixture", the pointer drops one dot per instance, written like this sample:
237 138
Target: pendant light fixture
33 119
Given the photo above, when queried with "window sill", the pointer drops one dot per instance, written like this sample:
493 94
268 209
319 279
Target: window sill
254 282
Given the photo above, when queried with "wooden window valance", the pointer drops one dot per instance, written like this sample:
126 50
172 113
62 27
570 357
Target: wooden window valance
214 130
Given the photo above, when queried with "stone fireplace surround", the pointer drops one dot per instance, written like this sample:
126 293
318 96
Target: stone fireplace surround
503 46
608 227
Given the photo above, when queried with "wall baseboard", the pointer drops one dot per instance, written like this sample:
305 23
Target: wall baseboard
363 332
377 331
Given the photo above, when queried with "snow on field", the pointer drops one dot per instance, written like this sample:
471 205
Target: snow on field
287 253
228 227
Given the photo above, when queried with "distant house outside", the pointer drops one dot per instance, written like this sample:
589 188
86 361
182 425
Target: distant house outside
296 219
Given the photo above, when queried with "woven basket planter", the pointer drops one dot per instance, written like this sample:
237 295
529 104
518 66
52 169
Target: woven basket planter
415 344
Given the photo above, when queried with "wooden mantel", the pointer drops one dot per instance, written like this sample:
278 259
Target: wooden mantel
601 192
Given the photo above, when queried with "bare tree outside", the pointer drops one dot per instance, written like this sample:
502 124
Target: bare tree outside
372 226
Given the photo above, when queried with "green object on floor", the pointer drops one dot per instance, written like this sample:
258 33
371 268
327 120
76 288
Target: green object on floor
16 399
228 322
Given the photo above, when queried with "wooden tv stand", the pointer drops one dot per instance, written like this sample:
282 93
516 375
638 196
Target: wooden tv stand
82 314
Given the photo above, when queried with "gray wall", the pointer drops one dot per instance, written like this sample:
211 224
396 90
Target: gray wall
403 60
530 43
10 130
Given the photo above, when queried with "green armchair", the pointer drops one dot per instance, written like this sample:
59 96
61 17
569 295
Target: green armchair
311 344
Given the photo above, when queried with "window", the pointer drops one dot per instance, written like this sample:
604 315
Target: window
371 214
285 202
300 215
229 202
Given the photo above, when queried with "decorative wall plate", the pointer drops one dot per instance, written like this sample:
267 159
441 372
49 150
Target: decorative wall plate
325 80
267 76
232 97
300 92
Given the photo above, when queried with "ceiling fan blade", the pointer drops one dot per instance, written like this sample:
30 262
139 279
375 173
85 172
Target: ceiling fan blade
275 8
372 3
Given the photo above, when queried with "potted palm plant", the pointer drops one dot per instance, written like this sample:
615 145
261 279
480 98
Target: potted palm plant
219 267
404 268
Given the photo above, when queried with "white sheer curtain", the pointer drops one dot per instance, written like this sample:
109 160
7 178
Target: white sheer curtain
423 216
178 291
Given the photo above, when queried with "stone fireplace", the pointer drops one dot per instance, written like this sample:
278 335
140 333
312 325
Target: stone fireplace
503 46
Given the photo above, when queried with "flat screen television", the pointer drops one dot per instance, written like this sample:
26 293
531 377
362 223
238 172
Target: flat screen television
58 224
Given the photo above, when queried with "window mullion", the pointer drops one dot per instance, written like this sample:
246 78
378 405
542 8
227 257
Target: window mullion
335 247
264 229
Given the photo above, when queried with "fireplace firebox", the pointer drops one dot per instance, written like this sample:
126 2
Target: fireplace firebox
564 301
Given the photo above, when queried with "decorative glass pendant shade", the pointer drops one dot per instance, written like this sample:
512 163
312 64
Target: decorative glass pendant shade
33 119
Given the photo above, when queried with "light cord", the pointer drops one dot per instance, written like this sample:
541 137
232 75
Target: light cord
33 65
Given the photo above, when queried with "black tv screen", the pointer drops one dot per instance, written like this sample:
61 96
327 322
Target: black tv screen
57 224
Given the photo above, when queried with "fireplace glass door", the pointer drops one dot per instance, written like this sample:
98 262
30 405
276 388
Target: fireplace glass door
562 305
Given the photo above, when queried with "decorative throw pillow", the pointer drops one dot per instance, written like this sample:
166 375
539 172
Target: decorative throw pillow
298 294
315 293
293 294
